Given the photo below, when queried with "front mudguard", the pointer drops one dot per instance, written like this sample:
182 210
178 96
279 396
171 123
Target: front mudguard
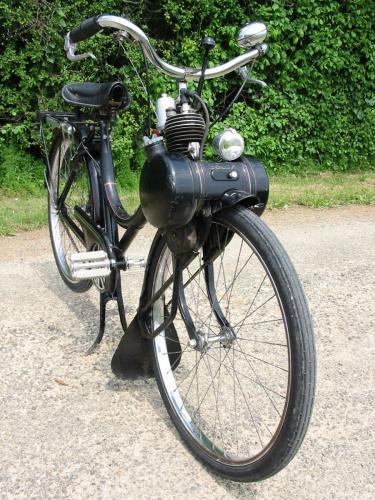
132 358
258 198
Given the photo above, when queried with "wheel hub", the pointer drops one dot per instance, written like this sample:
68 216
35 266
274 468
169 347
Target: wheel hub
203 340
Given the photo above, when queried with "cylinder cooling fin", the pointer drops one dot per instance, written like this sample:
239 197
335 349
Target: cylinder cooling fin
182 129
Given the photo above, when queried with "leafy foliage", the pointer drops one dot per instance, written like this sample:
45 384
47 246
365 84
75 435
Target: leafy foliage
20 171
318 111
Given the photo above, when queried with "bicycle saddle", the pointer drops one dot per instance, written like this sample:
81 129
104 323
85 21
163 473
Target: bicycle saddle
97 95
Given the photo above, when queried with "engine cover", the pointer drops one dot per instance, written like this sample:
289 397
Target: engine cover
174 188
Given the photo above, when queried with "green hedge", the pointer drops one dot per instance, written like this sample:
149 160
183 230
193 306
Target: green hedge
317 112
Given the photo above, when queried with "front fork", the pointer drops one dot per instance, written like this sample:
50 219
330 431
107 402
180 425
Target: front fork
181 260
199 338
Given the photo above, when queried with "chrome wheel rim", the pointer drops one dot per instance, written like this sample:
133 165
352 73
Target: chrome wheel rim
64 241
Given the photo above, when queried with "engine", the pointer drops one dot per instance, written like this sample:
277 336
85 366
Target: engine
174 188
182 129
175 185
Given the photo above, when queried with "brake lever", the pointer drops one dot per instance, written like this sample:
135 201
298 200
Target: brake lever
244 74
258 82
70 49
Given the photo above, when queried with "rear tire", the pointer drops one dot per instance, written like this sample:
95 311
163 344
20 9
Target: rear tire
255 372
63 240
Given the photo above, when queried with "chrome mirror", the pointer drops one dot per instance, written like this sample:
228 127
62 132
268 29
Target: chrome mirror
251 34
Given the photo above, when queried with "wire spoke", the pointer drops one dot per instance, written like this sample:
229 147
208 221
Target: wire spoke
232 284
177 359
236 276
203 323
248 378
262 342
251 304
261 360
208 388
187 376
248 407
262 385
255 310
231 393
217 414
263 322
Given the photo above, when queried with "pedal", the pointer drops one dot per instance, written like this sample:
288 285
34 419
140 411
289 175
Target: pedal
133 263
89 265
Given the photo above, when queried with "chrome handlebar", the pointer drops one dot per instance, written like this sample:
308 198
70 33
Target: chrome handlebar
136 34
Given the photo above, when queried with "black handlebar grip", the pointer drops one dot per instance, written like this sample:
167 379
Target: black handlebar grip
87 28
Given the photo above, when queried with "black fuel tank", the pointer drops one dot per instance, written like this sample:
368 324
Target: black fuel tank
174 188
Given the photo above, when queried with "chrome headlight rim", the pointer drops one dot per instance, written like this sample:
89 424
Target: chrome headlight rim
229 144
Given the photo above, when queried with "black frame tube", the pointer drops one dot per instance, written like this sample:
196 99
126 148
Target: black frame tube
105 178
111 196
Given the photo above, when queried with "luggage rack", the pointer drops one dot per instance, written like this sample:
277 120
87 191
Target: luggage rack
58 118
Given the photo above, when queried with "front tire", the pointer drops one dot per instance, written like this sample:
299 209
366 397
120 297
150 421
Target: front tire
242 403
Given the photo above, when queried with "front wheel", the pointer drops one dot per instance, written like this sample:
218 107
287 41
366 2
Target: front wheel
242 394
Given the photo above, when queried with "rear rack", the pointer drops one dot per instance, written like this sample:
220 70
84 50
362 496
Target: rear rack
58 118
55 117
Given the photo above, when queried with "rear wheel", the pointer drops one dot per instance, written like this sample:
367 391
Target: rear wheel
68 178
241 397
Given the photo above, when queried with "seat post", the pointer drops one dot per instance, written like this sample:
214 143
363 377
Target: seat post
105 152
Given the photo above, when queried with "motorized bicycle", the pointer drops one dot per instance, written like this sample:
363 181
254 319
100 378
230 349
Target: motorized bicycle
222 323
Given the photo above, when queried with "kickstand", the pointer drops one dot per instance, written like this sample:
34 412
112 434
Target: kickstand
105 297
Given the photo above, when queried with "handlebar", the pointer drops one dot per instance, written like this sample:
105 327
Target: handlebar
94 24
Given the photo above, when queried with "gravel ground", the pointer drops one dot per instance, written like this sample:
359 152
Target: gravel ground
70 429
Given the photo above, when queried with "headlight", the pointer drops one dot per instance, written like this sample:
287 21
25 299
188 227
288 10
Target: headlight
229 144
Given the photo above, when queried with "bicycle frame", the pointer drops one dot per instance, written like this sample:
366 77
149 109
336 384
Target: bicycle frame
102 178
240 295
107 208
101 226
